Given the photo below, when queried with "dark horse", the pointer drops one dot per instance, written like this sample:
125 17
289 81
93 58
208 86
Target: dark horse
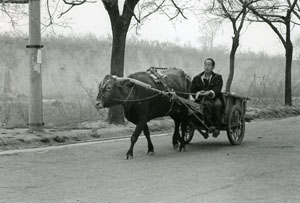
142 104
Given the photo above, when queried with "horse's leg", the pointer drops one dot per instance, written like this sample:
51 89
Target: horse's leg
134 137
147 135
184 116
176 134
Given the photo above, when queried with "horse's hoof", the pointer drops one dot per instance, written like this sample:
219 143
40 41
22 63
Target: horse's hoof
151 153
175 146
129 156
181 149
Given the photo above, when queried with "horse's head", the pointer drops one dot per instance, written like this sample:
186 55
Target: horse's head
112 91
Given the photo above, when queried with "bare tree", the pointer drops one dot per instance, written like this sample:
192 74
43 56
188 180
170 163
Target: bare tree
235 11
210 30
277 13
120 22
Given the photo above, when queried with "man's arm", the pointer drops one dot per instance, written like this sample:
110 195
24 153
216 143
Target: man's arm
194 87
216 87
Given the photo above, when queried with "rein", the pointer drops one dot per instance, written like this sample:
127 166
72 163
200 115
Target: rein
137 100
142 99
131 100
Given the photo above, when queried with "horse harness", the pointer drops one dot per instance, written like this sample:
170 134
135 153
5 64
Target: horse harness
159 77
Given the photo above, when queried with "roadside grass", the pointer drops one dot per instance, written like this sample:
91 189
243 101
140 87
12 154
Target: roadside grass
81 114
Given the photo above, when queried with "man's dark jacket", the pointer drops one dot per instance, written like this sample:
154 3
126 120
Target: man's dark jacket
215 84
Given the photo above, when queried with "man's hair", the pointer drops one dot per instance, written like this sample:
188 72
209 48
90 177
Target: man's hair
213 61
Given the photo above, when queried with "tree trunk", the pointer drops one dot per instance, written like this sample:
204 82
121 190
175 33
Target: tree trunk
288 64
116 114
234 46
119 25
288 73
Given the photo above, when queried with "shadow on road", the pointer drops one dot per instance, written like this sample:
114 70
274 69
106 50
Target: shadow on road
216 145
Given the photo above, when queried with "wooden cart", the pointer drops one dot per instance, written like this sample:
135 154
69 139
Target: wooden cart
233 121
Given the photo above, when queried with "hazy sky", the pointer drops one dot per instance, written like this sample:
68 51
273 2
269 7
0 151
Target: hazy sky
92 18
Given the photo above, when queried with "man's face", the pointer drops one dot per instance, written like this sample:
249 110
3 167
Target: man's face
208 66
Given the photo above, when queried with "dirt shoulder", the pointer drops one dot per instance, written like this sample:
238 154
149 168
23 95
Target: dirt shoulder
19 138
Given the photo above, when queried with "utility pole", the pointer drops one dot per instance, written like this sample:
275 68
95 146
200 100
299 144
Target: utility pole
35 63
35 67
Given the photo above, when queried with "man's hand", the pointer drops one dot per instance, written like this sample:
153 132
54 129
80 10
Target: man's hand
203 93
200 93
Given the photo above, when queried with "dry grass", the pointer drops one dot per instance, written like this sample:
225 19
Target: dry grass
81 113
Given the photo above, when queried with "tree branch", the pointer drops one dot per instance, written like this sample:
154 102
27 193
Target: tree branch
74 2
227 15
244 12
291 8
49 13
296 13
14 1
66 11
158 7
132 11
180 11
269 22
296 23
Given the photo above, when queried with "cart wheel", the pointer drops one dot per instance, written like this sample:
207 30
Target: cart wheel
189 133
235 125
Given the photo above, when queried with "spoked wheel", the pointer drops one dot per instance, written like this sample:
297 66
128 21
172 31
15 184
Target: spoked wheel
189 133
235 125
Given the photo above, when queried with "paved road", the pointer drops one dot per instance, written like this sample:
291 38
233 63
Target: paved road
265 168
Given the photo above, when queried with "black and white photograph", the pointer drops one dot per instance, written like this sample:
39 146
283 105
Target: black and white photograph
140 101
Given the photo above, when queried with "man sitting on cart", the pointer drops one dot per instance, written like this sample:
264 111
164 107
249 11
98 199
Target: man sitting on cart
207 87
